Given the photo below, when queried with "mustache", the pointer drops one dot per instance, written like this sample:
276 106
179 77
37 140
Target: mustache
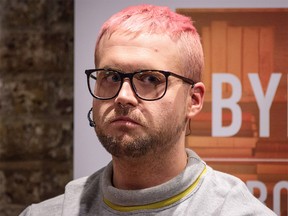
123 110
128 112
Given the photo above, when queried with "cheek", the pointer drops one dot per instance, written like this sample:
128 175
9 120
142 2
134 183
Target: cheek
164 114
175 110
99 109
175 98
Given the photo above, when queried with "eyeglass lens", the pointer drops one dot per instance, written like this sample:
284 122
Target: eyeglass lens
148 85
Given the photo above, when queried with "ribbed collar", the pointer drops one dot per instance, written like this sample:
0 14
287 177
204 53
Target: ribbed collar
123 200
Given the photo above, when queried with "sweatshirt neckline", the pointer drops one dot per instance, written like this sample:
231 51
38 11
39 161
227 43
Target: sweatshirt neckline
155 197
160 204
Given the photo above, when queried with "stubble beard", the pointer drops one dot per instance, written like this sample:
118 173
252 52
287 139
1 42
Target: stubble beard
156 142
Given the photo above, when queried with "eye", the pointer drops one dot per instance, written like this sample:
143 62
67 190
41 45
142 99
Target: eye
151 77
108 76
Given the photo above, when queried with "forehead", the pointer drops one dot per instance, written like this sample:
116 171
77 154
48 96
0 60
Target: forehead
144 51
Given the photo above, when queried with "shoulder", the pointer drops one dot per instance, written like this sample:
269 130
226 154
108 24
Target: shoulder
224 180
226 185
49 207
73 192
76 184
222 184
233 194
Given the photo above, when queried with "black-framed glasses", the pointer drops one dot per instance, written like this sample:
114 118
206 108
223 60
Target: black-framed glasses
105 84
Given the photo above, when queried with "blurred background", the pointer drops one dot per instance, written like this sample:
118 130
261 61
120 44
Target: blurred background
36 101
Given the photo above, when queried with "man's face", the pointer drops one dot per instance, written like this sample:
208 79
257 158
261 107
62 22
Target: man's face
126 125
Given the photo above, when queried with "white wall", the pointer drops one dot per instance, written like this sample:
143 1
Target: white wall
89 155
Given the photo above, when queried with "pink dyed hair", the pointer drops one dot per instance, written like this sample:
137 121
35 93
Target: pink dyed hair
160 20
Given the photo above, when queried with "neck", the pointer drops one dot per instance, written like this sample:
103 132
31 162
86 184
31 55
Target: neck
149 170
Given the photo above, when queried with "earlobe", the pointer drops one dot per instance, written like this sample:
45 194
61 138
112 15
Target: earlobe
196 99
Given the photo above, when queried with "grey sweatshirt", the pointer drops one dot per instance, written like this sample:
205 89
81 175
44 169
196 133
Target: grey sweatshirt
198 190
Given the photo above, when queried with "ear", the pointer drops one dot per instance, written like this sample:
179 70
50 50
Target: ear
196 100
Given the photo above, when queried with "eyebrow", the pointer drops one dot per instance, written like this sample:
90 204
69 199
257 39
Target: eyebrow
128 67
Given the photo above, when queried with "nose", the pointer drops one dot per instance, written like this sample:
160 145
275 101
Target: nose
126 95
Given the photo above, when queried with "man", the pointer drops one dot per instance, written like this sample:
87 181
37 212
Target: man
146 88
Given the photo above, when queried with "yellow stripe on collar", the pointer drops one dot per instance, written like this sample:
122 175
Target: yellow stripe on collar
157 205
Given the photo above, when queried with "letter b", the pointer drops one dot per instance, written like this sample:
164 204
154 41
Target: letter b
218 103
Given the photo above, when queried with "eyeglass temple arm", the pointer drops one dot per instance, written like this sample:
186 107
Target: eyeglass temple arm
187 80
